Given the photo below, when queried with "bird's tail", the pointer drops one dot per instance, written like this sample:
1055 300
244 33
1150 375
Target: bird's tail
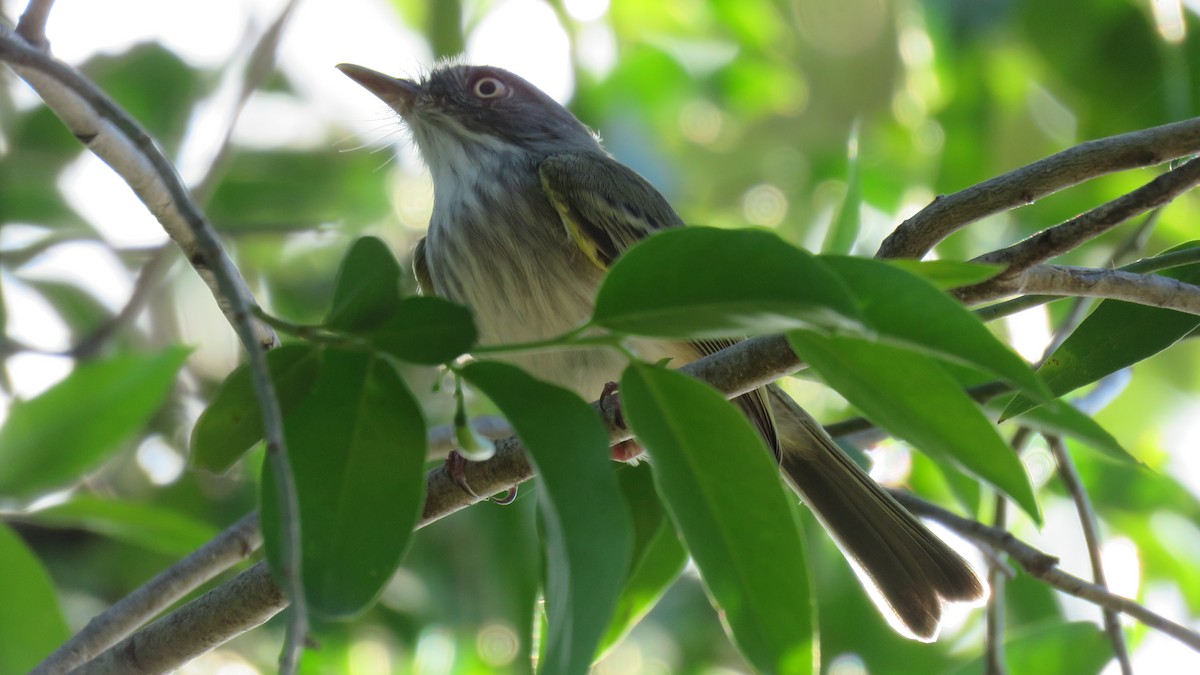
910 573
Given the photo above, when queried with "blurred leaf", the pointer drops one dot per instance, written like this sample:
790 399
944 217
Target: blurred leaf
1115 335
724 493
947 274
152 527
284 189
81 311
153 84
1079 648
57 437
31 623
368 286
658 556
909 394
232 422
357 448
588 532
426 330
701 282
906 309
843 231
38 147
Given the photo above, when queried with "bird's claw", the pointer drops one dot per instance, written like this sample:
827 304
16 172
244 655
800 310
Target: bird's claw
456 467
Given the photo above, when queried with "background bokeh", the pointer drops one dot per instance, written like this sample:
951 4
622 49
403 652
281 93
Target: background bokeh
743 112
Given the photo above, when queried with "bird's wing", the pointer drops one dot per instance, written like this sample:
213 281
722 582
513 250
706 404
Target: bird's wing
421 269
606 207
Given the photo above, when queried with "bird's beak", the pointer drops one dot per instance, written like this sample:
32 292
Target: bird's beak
400 94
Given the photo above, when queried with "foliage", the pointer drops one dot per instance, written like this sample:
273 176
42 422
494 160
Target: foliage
742 112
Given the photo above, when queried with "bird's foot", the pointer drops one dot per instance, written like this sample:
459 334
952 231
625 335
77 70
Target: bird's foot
628 450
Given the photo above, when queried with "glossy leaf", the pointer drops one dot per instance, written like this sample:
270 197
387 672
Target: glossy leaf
232 423
425 330
909 311
71 428
700 282
588 533
155 528
31 623
724 493
658 555
368 286
908 394
357 449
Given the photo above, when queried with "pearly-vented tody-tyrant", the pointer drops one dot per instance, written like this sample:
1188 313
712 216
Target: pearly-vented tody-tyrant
529 211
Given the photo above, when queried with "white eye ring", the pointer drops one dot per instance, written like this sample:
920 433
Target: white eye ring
489 87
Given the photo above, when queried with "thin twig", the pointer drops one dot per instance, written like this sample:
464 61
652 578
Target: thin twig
230 547
1091 535
1045 567
993 655
32 24
1055 241
948 213
118 139
244 602
148 280
1164 261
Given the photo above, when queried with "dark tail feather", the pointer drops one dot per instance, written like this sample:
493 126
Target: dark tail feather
908 569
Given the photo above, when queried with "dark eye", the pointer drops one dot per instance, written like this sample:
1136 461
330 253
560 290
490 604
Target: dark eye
490 87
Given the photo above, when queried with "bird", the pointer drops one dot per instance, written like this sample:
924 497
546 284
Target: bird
530 211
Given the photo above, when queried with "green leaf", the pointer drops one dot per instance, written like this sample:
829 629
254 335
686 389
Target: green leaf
588 531
699 282
843 231
232 423
155 528
357 450
724 493
1115 335
911 312
1062 418
71 428
947 274
368 287
910 395
425 330
658 555
31 623
1079 648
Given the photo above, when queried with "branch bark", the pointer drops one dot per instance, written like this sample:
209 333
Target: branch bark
947 214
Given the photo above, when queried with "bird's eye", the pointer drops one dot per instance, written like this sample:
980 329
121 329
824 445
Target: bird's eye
490 87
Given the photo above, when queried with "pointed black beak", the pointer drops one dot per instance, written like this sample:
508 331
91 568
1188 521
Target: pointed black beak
397 93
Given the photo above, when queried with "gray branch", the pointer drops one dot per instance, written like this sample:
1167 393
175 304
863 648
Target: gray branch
948 213
1045 567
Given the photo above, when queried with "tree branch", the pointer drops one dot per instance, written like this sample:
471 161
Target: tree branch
244 602
1059 280
230 547
1055 241
948 213
32 24
114 136
1045 567
1091 535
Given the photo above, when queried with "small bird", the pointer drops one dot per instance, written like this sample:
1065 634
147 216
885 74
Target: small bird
529 211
